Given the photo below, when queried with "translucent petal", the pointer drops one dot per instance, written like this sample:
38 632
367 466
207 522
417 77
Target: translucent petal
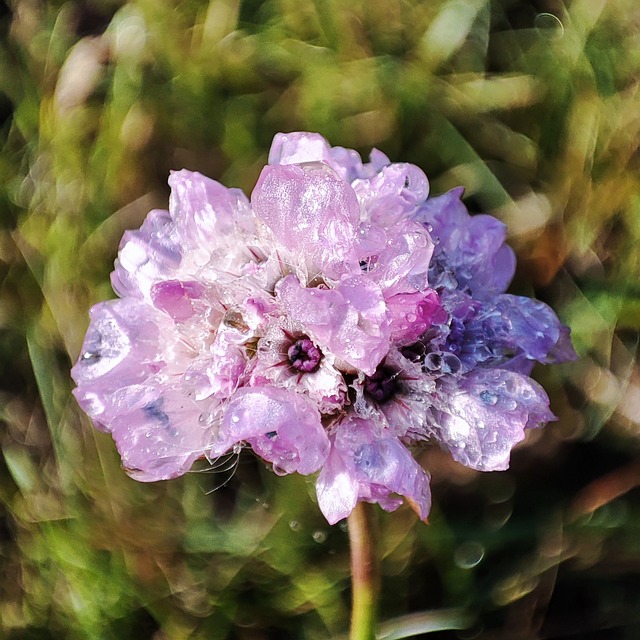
159 434
350 321
121 348
311 211
480 418
283 427
367 462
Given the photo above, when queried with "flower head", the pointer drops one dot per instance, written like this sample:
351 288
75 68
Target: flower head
331 321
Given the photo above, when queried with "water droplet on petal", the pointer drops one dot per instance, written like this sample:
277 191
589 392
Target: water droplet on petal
488 397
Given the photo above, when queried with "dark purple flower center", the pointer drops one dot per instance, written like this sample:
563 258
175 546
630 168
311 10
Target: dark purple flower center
304 355
382 385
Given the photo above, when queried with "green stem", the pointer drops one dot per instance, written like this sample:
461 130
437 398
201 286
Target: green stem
365 574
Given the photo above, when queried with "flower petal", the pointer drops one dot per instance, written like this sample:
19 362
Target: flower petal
146 256
283 427
392 194
370 465
412 314
311 211
481 420
524 327
473 247
402 266
161 434
350 320
121 348
206 213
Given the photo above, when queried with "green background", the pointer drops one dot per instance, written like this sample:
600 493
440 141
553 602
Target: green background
533 106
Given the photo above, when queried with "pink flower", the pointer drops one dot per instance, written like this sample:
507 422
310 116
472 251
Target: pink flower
315 324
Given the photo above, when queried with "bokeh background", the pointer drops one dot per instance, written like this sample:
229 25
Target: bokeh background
532 105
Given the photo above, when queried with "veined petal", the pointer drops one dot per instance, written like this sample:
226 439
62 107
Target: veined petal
482 419
350 320
161 434
370 464
283 427
312 211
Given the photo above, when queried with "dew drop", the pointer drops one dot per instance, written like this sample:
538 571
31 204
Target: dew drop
319 536
488 397
206 419
294 525
469 555
235 419
549 26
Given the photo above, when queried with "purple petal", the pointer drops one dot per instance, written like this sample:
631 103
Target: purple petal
283 427
392 194
121 348
311 211
472 247
412 314
147 256
206 214
175 297
350 320
366 463
481 420
160 434
527 327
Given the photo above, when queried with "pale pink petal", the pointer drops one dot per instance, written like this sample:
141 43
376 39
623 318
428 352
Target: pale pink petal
160 434
310 211
350 321
392 194
299 147
175 297
122 347
402 266
283 427
148 255
207 214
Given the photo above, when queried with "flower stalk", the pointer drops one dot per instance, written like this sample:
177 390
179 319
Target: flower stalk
365 572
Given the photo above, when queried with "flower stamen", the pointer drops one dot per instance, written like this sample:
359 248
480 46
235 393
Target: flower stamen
304 355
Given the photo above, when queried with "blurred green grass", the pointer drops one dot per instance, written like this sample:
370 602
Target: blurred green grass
538 116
